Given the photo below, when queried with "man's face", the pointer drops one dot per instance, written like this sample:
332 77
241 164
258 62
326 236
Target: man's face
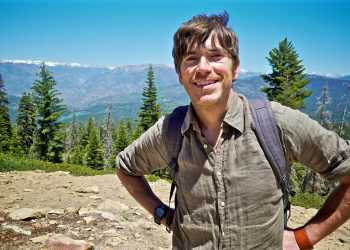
207 73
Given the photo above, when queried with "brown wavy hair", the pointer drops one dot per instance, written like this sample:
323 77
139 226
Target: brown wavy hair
195 32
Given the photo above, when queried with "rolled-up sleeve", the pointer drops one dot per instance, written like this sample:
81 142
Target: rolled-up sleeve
145 154
307 142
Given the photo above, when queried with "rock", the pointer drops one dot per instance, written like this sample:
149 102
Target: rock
37 226
44 210
25 214
95 197
86 211
119 227
40 239
111 232
28 190
92 189
59 241
2 219
72 210
114 242
73 233
62 173
89 219
16 197
55 212
343 235
112 206
17 229
108 215
52 222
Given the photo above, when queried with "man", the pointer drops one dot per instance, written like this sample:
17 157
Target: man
227 194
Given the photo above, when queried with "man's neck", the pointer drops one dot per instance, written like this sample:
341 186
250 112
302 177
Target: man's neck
210 118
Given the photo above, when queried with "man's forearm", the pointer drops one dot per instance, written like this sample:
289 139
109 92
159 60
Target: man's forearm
140 190
333 214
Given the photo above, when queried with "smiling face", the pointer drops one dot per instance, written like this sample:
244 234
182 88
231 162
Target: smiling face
207 73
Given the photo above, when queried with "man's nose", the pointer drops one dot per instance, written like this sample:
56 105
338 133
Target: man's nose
203 65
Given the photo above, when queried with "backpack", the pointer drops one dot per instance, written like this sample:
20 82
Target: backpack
267 132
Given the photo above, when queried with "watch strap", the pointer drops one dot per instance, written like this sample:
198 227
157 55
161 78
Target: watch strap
157 219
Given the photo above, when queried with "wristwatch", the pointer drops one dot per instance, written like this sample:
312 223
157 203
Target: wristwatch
160 213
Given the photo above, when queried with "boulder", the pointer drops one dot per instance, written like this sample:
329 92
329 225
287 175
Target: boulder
25 214
92 189
17 229
40 239
89 219
59 241
55 213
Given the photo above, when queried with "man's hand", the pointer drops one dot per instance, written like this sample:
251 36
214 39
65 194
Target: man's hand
289 242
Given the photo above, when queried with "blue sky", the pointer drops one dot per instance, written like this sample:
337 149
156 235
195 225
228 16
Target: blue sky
110 33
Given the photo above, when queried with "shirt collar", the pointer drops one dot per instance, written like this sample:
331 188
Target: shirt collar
234 116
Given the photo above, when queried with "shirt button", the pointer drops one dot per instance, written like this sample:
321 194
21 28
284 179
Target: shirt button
222 204
205 146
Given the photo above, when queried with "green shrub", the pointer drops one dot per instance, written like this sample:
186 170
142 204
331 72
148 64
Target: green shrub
12 163
308 200
152 178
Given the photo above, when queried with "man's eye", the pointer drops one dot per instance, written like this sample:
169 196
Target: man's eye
191 58
216 57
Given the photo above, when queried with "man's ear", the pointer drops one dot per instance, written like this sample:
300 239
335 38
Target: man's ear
179 77
235 72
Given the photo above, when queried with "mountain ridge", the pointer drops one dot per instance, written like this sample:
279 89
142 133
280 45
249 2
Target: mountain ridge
83 88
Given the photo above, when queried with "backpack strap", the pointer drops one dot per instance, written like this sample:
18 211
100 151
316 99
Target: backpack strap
268 134
176 119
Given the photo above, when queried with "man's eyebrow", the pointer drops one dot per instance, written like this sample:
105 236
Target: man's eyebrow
191 53
215 50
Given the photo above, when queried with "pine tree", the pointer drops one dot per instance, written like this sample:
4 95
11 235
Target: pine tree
150 109
72 137
5 122
94 152
15 145
87 132
123 138
56 147
312 181
25 120
287 80
107 138
345 111
49 109
322 108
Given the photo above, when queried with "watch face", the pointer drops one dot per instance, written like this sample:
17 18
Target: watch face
160 211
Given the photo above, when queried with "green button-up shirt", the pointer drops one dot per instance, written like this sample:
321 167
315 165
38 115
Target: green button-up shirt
229 198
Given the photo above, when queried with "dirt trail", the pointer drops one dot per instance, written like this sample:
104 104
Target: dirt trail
96 209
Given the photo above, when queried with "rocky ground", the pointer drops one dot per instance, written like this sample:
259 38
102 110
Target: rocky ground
51 210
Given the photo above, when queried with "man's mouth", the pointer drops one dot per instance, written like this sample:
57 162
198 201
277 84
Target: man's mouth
204 83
